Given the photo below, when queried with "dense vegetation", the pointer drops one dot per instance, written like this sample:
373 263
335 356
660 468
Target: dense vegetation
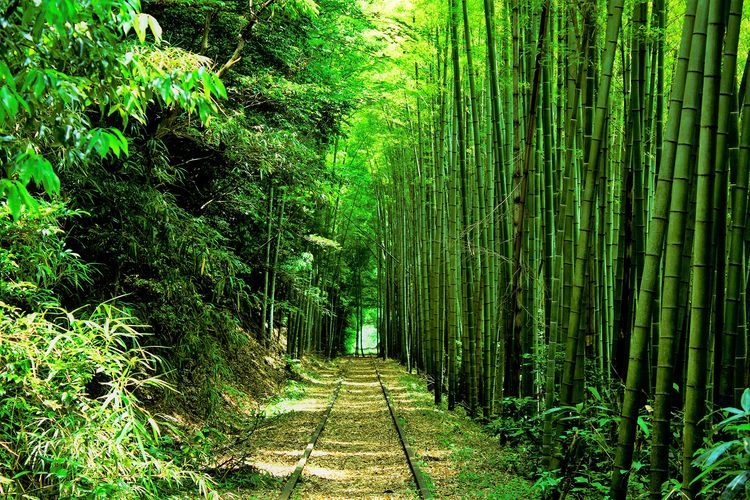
542 204
564 233
135 178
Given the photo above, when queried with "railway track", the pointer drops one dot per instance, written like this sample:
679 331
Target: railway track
418 476
297 473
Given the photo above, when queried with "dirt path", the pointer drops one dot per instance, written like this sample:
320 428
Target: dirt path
358 455
275 448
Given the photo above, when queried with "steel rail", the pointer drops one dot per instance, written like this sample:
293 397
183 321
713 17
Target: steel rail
294 478
420 479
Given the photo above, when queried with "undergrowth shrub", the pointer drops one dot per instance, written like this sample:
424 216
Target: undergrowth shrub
584 450
587 445
179 274
725 463
71 424
34 260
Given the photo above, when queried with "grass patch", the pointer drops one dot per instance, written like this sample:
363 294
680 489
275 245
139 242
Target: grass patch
293 391
461 458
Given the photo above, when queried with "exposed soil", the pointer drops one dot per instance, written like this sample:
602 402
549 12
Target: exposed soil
359 454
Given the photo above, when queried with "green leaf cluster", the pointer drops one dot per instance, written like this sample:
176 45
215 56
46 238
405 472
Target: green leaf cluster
36 264
65 61
727 462
72 424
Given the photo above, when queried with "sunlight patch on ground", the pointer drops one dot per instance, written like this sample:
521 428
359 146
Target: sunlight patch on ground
360 384
359 453
287 406
281 453
274 469
353 444
326 473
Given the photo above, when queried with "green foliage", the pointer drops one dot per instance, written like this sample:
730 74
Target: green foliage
727 462
306 106
179 271
259 151
34 259
515 426
63 59
248 478
588 446
72 424
70 382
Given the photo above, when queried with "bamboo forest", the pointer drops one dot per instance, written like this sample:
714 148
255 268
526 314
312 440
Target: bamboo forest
374 249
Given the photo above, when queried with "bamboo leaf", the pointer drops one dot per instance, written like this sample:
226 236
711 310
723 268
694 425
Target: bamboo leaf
733 488
709 457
